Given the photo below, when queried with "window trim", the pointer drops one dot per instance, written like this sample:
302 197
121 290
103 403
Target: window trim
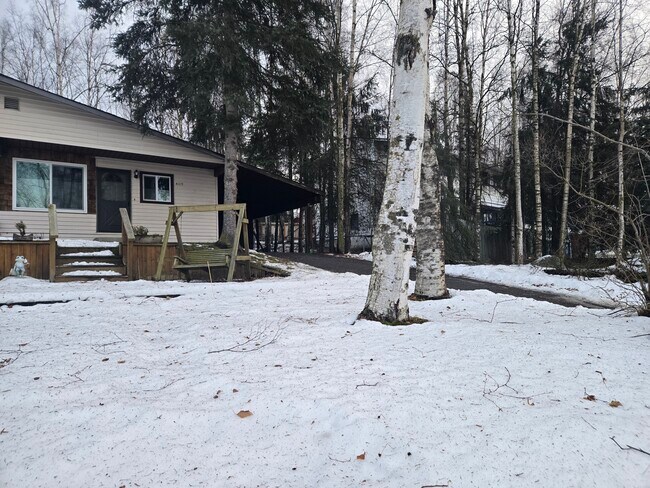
142 174
83 167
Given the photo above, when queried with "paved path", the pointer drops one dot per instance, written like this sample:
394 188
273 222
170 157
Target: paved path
349 265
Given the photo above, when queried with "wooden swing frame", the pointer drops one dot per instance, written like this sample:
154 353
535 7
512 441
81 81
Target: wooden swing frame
185 261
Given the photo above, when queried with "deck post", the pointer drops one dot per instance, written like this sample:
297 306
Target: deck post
54 234
161 259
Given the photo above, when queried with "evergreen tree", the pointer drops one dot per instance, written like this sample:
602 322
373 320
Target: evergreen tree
212 60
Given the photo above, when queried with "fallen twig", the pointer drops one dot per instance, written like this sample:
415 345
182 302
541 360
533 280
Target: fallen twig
588 424
253 338
169 383
339 460
629 448
366 384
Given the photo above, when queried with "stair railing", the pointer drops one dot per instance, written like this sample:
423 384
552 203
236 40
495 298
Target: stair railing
54 234
128 237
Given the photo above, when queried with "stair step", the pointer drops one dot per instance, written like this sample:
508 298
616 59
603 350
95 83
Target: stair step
60 279
88 251
112 260
107 267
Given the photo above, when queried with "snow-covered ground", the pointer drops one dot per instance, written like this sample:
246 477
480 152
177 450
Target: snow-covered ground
607 291
273 383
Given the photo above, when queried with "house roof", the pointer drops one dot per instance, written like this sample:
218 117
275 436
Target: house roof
304 194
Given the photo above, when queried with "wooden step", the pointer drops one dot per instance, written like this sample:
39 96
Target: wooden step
107 267
61 279
86 250
113 260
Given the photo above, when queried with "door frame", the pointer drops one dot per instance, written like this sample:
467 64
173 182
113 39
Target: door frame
99 171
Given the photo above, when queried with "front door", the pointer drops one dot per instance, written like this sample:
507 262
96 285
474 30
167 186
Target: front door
113 193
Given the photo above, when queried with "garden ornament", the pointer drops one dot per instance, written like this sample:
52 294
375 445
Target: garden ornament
19 267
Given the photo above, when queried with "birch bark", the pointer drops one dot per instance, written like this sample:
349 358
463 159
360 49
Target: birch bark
591 143
537 172
569 137
394 234
340 142
512 52
430 283
621 138
350 119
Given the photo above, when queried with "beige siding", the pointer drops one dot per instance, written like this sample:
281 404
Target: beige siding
43 120
192 186
71 225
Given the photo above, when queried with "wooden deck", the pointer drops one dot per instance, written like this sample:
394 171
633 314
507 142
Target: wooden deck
145 258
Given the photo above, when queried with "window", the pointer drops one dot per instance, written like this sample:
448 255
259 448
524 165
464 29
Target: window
354 221
156 188
36 184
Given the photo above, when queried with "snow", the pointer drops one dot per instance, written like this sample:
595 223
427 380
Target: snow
607 291
118 387
87 263
104 253
85 243
92 272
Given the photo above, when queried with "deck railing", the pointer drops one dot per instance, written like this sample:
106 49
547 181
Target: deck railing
128 237
54 234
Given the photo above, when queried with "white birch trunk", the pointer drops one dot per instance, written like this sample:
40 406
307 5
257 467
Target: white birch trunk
350 119
430 283
620 241
537 171
340 144
519 220
394 234
569 142
591 143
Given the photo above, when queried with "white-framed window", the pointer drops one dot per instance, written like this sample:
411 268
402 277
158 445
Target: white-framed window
37 183
156 188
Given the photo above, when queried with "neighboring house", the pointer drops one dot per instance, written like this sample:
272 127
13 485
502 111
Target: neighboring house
91 163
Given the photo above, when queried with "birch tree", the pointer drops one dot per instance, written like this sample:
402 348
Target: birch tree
514 17
430 283
620 95
537 171
394 234
578 20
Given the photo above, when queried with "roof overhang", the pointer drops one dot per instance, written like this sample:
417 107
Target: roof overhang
264 192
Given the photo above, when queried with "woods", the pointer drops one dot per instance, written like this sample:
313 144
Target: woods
536 128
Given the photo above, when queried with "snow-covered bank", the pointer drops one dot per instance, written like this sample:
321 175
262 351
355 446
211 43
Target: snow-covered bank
608 291
121 388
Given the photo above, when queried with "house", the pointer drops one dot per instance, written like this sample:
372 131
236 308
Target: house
90 163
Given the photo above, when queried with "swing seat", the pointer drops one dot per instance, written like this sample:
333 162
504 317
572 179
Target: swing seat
207 257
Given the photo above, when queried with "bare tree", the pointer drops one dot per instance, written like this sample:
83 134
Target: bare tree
574 53
536 154
514 21
620 95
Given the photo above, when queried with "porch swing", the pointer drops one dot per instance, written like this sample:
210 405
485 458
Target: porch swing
209 256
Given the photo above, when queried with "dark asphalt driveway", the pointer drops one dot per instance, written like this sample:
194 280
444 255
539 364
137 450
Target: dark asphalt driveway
337 264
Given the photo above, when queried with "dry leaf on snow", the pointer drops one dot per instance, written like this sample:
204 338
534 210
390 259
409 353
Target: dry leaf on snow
615 403
361 456
242 414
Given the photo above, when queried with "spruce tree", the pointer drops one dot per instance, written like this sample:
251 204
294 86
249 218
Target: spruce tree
210 61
